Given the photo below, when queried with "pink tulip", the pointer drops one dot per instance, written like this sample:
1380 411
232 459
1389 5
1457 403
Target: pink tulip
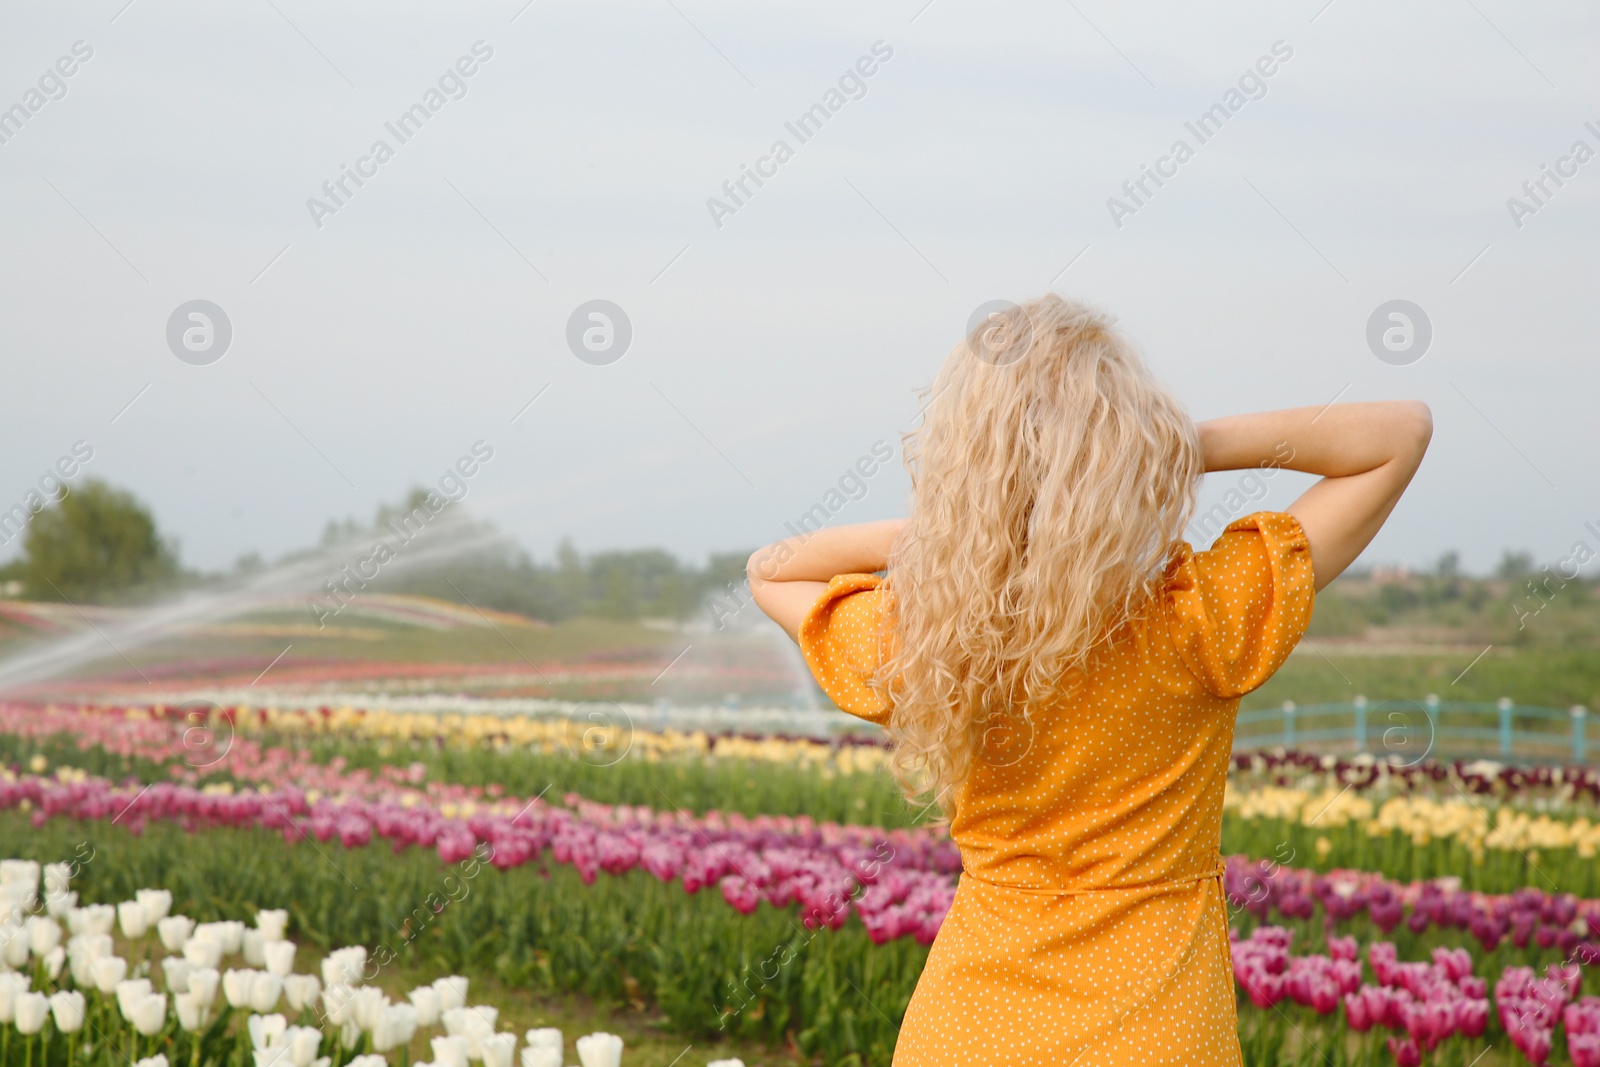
1359 1014
1584 1049
740 893
1405 1052
1472 1016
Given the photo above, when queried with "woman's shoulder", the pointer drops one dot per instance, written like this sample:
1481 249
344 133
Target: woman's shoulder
841 640
1237 608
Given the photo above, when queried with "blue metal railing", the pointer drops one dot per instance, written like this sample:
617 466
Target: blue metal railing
1412 730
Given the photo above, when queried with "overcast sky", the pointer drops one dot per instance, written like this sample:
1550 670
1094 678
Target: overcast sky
376 338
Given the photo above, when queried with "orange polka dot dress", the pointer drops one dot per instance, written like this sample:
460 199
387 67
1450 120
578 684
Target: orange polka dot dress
1089 926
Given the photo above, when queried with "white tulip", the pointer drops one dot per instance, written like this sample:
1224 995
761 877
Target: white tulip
203 951
344 966
271 923
133 919
51 962
157 903
349 1034
150 1014
57 877
19 872
303 1044
68 1010
478 1029
16 952
233 935
12 985
546 1037
129 992
174 930
472 1019
275 1056
301 990
250 944
236 986
176 969
497 1049
333 970
368 1061
474 1022
210 932
395 1025
20 897
365 1006
61 904
107 971
82 974
203 983
427 1002
192 1014
266 1029
158 1060
278 956
735 1062
600 1050
31 1009
338 1001
97 919
452 991
89 946
541 1057
82 951
450 1051
264 991
43 934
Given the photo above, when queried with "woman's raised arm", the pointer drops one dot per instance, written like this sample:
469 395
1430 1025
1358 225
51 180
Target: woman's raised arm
1366 454
787 577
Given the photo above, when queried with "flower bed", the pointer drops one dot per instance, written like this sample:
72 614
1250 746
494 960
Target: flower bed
77 1000
807 931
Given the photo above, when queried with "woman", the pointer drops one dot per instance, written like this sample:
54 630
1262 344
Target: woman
1059 674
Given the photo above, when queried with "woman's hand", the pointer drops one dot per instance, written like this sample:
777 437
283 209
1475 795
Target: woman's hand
1366 454
787 577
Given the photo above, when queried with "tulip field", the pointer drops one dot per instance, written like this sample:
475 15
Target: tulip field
349 887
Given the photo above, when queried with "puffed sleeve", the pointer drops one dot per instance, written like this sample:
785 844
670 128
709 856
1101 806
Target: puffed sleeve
840 640
1241 606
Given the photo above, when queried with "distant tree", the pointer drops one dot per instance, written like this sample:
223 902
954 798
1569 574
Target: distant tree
1514 565
1446 582
491 572
93 544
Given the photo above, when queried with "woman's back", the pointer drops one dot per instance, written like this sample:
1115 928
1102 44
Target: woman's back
1089 831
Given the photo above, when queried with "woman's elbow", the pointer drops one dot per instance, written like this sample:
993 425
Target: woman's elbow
761 568
1414 428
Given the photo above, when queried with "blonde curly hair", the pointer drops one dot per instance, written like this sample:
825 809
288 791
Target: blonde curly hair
1052 476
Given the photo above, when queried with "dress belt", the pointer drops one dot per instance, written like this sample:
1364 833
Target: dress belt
1064 891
